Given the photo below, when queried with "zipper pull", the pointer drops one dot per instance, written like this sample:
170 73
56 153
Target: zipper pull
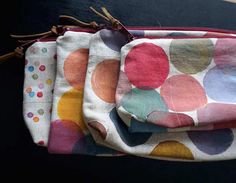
26 40
18 52
115 23
55 31
80 23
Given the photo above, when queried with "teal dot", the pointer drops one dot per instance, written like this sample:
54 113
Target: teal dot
31 94
142 102
44 50
30 68
137 126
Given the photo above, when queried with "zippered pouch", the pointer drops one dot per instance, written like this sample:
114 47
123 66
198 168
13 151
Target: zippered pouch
90 115
100 113
40 69
171 83
69 134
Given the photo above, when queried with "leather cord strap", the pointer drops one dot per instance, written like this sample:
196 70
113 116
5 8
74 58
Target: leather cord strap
26 40
115 23
78 22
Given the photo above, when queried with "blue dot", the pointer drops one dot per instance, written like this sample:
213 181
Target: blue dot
212 142
88 146
131 139
113 39
220 83
30 68
136 126
31 94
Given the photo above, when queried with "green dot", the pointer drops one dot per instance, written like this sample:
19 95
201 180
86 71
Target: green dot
35 76
142 102
41 111
191 56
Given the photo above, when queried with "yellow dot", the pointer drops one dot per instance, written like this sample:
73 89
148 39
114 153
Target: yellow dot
36 119
172 149
70 107
49 81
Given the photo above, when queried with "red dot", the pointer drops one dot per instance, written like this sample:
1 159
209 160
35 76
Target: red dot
40 94
146 66
42 68
41 142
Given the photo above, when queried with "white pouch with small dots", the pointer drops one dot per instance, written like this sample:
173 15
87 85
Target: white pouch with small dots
40 68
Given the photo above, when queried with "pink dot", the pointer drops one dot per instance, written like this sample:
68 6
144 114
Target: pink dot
41 142
183 93
217 113
63 136
146 66
123 87
41 85
169 119
225 52
33 49
40 94
42 68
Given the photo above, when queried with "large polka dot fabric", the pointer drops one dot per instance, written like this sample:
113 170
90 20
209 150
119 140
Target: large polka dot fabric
106 124
185 82
40 71
69 134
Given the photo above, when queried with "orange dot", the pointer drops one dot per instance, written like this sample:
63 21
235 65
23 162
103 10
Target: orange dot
104 80
75 68
36 119
28 90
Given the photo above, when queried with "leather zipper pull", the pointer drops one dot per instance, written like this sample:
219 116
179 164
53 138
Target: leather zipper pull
115 23
55 30
78 22
18 52
26 40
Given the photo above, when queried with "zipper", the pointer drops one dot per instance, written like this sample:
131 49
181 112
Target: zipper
92 27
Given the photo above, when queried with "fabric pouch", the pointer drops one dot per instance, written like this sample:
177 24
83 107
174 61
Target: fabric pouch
40 68
100 112
171 83
69 133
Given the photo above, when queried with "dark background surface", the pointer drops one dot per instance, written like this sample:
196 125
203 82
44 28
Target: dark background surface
20 157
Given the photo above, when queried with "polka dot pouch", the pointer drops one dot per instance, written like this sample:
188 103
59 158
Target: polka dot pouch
169 83
69 134
40 69
112 91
